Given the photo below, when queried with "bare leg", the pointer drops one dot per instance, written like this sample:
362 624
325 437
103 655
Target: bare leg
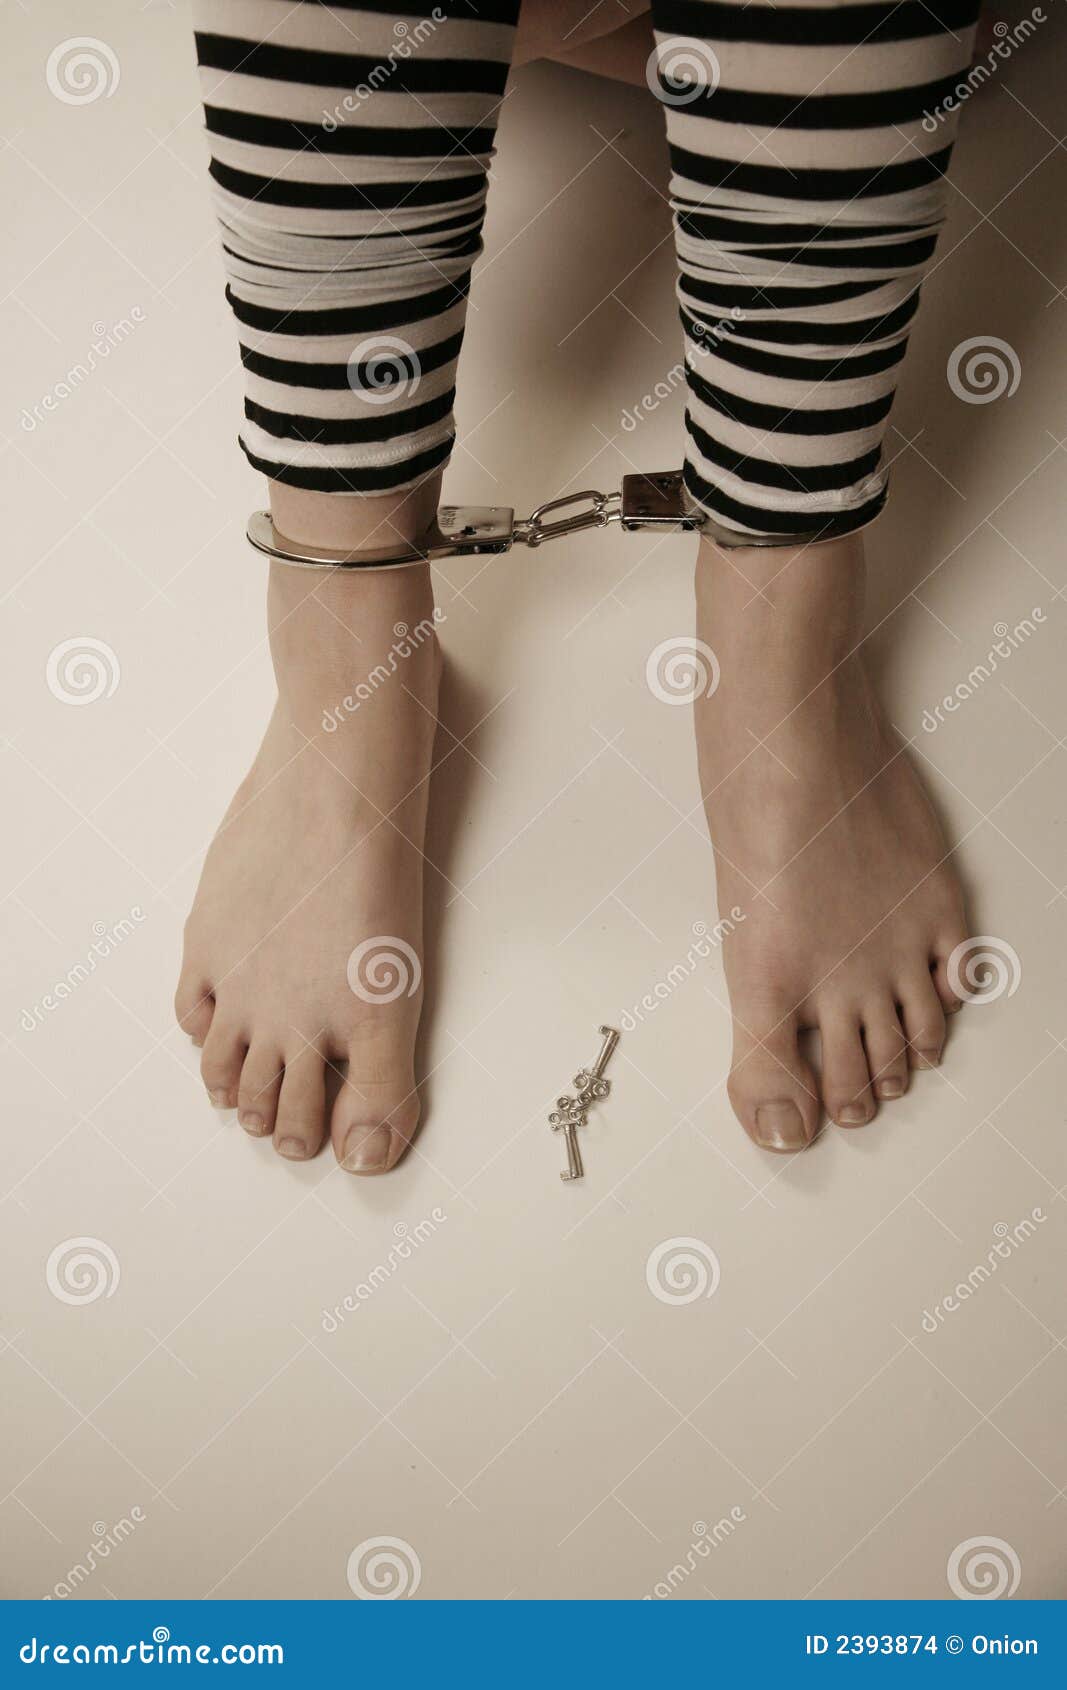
321 852
826 842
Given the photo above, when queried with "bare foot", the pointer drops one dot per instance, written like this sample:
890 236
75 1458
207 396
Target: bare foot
303 948
826 841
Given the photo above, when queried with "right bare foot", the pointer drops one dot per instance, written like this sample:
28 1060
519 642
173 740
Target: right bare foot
303 948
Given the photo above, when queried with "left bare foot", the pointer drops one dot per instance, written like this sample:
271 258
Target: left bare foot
824 837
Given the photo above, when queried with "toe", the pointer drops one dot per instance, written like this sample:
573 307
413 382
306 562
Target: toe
300 1122
377 1108
941 975
194 1006
923 1020
846 1085
257 1092
887 1050
771 1086
222 1060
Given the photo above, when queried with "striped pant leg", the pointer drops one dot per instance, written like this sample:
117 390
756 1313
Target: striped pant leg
808 152
350 144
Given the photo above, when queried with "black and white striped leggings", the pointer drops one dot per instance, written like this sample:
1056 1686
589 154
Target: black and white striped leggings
808 144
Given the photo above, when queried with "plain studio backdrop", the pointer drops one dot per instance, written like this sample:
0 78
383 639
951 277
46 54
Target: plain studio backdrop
231 1372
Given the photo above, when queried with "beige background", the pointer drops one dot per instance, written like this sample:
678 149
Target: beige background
512 1402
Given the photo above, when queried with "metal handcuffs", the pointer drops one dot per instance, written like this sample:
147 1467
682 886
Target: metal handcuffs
655 500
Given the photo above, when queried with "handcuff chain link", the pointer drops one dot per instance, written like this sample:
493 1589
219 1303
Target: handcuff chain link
600 509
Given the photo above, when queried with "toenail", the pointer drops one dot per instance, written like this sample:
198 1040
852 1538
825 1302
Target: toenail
852 1115
889 1088
220 1099
780 1126
929 1058
254 1124
367 1149
294 1148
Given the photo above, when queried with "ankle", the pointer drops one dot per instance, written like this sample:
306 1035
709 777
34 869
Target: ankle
791 616
352 522
832 573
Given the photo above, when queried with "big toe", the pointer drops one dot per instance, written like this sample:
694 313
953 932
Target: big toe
377 1108
771 1086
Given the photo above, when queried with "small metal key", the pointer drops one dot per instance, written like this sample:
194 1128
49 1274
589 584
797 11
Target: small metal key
574 1169
569 1114
566 1118
590 1082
